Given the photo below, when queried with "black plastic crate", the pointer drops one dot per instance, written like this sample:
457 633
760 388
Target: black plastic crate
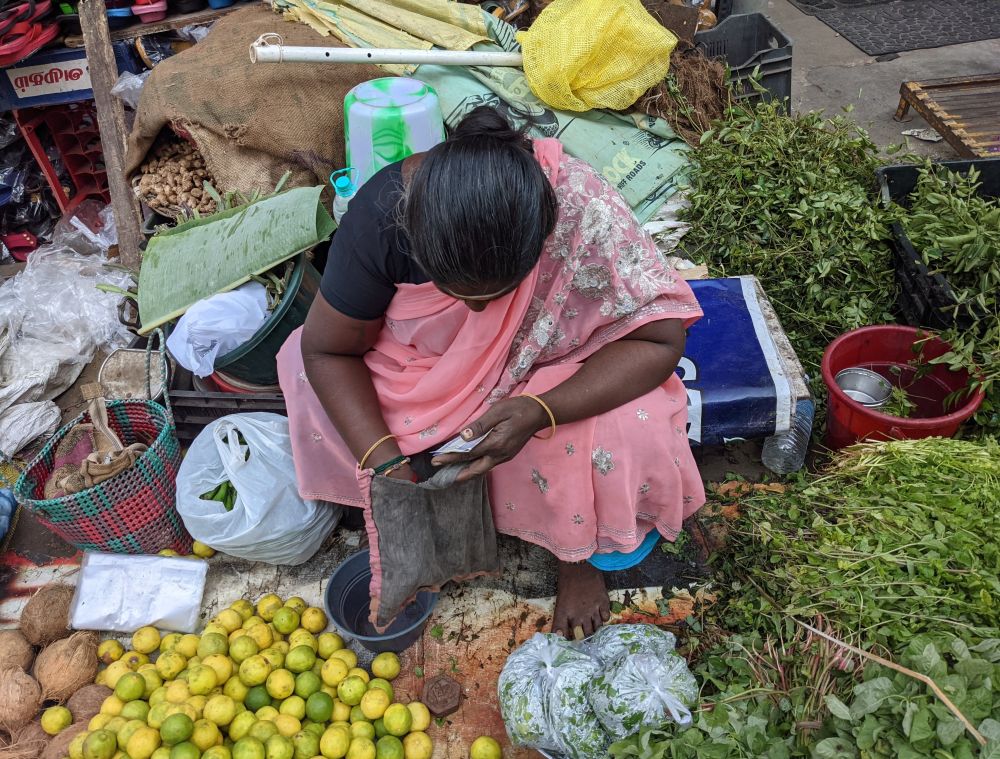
747 41
926 299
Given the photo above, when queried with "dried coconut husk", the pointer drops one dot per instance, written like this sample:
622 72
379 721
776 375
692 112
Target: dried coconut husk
86 702
45 617
67 665
29 743
20 696
15 651
59 746
693 95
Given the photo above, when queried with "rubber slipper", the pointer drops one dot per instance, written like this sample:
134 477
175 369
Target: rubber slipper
14 14
29 42
20 244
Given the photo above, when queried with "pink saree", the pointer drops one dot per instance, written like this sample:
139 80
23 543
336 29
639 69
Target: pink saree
601 484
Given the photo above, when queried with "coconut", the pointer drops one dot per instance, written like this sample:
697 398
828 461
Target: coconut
20 696
86 702
58 747
15 651
45 618
63 667
28 743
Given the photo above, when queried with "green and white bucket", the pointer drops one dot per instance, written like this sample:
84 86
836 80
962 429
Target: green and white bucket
387 120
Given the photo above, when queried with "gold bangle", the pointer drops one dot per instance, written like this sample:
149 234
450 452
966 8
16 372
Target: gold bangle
544 405
376 444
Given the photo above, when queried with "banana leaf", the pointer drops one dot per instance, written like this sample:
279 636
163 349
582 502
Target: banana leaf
217 253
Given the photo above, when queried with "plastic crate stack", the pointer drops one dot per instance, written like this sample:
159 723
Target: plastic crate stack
72 129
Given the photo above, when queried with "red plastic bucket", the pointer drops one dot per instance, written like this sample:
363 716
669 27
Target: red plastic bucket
889 350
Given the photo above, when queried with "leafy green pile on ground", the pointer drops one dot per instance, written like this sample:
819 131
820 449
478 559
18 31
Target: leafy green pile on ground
957 233
896 549
793 201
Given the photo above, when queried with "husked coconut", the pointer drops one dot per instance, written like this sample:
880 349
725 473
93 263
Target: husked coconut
45 617
20 697
15 651
64 667
86 702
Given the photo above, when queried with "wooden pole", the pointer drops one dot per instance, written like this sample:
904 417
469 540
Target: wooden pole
114 135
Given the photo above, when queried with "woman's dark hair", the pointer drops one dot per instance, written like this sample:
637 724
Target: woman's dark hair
479 207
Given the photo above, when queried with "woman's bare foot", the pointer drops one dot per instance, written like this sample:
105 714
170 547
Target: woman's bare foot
582 604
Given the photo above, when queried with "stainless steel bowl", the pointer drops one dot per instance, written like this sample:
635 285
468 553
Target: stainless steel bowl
864 386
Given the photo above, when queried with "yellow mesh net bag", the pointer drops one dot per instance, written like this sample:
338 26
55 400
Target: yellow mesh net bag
584 54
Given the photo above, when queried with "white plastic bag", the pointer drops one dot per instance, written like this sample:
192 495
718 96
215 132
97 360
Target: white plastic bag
217 325
269 522
121 592
23 423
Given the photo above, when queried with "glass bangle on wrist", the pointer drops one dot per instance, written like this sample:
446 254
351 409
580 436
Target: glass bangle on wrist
392 465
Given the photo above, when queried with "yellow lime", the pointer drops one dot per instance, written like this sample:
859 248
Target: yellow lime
55 719
187 646
170 664
213 643
243 648
142 744
297 603
303 638
485 747
363 730
319 707
263 729
417 745
243 607
329 642
294 706
421 716
397 720
112 706
358 672
158 714
341 711
347 656
218 752
220 709
249 748
307 683
197 703
163 752
236 689
306 743
206 734
241 724
374 703
134 659
361 748
110 651
314 620
130 686
389 747
75 749
99 722
255 670
282 645
261 635
279 747
386 666
351 691
167 552
252 620
116 724
285 620
316 728
334 671
186 750
169 640
236 634
176 728
287 725
381 684
201 680
202 551
136 710
230 619
267 606
158 696
335 742
267 714
280 684
145 640
300 659
221 664
274 655
357 715
152 678
100 744
114 671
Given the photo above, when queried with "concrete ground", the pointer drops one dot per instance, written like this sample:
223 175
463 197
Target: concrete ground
829 73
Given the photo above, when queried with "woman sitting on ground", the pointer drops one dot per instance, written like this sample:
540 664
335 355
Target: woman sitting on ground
495 283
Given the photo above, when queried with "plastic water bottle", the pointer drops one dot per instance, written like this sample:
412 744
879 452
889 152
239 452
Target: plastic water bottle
786 453
344 189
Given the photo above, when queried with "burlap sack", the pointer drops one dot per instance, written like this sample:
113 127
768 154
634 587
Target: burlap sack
251 122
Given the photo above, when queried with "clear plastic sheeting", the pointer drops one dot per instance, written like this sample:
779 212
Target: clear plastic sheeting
25 422
129 86
53 318
575 699
122 592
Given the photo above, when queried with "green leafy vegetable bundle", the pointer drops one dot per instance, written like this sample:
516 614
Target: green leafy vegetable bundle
793 201
957 233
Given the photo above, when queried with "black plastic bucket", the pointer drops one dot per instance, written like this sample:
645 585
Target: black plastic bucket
348 603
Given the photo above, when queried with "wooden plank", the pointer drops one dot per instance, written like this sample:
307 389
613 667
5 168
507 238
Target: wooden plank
114 134
171 23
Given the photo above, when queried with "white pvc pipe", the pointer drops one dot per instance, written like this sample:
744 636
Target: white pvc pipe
276 53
